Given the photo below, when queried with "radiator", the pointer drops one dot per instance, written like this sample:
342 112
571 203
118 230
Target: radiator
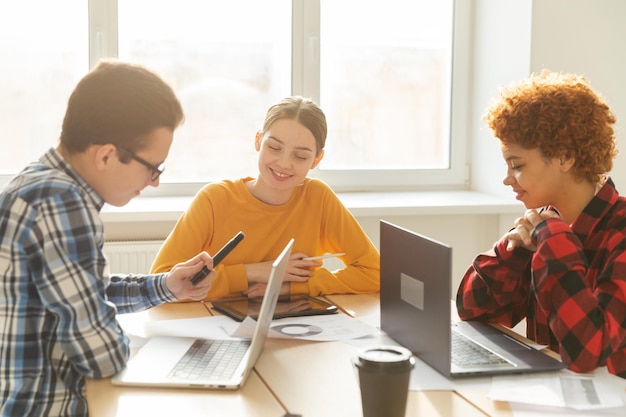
131 256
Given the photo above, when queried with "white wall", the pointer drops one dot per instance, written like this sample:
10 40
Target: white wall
586 37
516 37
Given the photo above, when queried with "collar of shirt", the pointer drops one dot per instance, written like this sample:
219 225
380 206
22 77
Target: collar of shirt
53 159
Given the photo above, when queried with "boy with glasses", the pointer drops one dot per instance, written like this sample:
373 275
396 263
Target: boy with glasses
57 302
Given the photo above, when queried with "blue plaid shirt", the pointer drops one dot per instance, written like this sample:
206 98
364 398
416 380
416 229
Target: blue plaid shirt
57 303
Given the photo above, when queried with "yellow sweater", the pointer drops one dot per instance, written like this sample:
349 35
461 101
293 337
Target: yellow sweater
314 217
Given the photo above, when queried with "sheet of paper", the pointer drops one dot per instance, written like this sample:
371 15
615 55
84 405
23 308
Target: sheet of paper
202 327
140 327
563 389
326 328
319 328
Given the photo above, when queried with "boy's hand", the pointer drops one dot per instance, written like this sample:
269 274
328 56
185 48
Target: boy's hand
179 278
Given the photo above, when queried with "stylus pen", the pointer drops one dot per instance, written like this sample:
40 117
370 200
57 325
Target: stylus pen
329 255
221 254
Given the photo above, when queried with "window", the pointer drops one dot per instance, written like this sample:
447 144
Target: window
226 60
42 60
381 71
385 85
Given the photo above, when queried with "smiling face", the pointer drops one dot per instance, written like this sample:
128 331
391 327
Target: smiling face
287 151
536 180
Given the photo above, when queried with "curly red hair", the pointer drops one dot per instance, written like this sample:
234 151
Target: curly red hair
562 116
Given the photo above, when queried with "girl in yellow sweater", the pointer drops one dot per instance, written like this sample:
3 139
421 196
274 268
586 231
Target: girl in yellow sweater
279 204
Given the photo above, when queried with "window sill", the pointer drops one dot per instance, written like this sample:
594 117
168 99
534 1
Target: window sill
360 204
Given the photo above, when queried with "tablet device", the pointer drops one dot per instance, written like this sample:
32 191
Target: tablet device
288 306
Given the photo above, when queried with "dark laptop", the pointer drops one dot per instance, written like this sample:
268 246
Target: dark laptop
415 310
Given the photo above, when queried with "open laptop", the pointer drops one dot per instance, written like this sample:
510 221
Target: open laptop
176 361
415 311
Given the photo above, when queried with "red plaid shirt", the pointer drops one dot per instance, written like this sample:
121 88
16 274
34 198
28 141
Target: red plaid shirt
572 290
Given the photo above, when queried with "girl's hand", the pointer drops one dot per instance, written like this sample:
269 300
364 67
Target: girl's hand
521 234
298 270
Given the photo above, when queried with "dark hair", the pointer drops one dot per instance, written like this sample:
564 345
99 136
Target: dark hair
118 103
562 116
303 110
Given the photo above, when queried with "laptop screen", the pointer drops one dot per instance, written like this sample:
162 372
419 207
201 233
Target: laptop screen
415 293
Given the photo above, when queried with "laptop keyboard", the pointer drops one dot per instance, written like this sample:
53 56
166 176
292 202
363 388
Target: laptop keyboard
468 353
210 359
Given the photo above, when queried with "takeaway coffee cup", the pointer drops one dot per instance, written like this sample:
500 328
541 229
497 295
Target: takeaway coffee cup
383 373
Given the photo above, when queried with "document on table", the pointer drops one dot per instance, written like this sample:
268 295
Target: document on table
319 328
215 327
563 389
139 327
324 328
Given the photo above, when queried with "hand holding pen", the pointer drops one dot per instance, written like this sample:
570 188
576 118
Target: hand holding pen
301 267
322 257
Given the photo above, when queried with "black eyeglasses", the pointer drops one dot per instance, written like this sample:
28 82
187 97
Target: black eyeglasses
156 170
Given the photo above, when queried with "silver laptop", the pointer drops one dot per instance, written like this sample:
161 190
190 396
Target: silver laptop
415 311
186 362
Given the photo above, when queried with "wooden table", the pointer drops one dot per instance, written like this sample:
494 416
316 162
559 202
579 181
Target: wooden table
313 379
254 399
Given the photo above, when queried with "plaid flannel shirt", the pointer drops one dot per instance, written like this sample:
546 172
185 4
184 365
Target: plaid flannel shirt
57 304
571 290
